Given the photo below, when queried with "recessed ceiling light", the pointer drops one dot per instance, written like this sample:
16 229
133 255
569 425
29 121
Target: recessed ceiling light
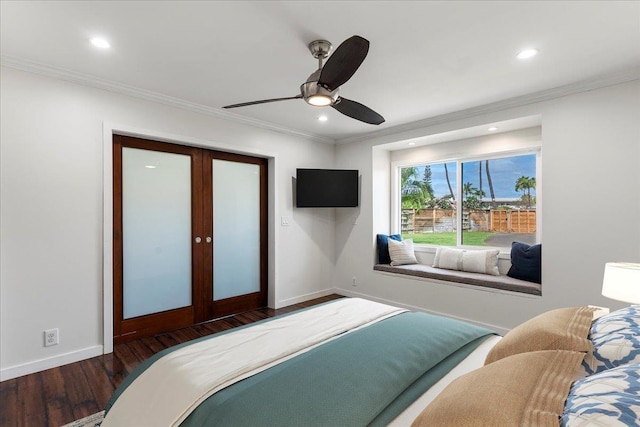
492 129
527 53
100 42
411 143
150 166
322 118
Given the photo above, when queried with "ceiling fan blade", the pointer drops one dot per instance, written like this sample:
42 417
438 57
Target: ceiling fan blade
264 101
344 62
358 111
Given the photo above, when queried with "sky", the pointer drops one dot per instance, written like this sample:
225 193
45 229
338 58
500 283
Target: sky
504 173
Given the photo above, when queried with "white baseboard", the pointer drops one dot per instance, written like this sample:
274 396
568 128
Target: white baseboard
303 298
502 331
86 353
50 362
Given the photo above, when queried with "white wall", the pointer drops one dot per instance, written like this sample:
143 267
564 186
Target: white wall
51 210
590 210
51 217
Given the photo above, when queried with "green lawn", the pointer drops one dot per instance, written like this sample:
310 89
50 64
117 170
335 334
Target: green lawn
473 238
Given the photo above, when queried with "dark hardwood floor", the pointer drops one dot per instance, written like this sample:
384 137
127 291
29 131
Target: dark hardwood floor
60 395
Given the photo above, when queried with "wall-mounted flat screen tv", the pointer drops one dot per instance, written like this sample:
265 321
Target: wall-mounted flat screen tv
326 188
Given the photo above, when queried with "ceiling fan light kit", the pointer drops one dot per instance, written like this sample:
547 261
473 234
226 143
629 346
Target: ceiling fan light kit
320 100
323 86
317 95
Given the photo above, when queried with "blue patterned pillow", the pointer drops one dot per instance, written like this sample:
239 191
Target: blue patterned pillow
610 398
616 340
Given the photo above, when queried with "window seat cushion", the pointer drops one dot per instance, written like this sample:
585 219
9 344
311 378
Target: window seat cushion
502 282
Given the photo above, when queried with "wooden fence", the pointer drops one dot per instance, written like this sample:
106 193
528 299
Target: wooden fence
444 220
513 221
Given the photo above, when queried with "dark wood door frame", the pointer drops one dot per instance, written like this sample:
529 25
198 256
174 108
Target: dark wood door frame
245 302
203 307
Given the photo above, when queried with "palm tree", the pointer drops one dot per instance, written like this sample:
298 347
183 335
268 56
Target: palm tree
480 175
413 191
472 196
525 184
406 174
468 189
493 196
446 173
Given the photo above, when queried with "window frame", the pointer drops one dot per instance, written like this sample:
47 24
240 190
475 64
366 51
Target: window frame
396 203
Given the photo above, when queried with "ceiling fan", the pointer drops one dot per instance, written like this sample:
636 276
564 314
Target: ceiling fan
323 86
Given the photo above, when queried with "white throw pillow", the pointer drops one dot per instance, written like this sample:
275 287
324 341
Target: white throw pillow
448 258
401 253
485 262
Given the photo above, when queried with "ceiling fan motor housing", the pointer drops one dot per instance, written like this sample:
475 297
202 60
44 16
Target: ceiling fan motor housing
317 95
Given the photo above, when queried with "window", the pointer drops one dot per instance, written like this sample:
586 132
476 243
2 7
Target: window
497 194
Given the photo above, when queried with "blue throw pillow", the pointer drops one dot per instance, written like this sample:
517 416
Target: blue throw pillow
526 262
383 247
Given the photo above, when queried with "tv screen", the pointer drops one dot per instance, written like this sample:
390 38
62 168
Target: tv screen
326 188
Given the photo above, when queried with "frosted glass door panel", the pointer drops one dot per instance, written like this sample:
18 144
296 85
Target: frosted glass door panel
156 227
236 229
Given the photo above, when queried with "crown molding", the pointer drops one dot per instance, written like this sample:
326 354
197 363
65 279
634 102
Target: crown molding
519 101
532 98
112 86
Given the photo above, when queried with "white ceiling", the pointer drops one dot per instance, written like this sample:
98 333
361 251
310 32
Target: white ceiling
426 58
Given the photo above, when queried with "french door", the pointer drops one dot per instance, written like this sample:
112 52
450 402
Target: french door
190 235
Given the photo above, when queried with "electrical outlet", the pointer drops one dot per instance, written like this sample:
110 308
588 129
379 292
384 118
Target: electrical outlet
51 337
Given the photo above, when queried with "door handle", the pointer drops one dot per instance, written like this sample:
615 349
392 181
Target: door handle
208 239
198 239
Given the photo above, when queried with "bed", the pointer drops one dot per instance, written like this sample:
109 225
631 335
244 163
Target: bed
354 362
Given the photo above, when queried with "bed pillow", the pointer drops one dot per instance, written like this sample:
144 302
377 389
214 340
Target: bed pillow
561 329
526 262
609 398
616 340
525 389
402 253
485 262
383 247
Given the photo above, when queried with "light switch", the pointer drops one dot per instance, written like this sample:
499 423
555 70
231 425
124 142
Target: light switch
284 221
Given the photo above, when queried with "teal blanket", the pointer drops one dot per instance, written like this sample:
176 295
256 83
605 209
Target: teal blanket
366 377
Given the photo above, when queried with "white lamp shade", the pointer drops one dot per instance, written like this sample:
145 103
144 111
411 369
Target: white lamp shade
622 281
